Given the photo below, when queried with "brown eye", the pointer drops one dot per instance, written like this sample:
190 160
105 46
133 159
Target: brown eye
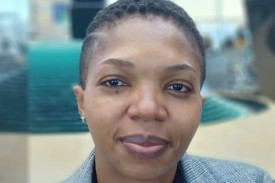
179 87
114 83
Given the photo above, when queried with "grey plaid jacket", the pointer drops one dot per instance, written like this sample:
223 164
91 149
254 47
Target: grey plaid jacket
195 170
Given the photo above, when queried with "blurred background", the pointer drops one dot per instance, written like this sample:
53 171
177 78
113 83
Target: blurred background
42 138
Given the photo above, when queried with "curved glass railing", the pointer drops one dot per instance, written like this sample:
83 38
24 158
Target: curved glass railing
38 97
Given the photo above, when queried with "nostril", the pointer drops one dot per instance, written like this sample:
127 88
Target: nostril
147 114
147 105
134 117
162 115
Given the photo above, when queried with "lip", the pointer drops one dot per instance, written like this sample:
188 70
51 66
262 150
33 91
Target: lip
144 147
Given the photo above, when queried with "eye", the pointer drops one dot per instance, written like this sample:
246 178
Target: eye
179 87
114 83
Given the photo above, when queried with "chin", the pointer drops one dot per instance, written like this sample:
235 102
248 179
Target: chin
147 171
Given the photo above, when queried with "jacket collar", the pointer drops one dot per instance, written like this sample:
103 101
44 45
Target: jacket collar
189 169
88 173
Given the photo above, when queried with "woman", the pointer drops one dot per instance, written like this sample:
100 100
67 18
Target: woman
142 68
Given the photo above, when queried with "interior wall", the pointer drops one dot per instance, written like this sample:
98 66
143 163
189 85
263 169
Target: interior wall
13 158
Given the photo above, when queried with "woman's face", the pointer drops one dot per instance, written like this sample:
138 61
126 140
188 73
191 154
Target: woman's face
142 100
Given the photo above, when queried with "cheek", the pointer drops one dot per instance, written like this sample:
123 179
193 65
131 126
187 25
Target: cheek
187 120
101 127
102 115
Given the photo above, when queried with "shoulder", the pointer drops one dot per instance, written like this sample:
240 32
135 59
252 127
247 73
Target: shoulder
199 169
84 173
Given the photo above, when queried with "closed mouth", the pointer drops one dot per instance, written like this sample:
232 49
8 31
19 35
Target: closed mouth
144 147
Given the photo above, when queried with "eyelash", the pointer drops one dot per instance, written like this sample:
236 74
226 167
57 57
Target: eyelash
180 88
174 87
114 83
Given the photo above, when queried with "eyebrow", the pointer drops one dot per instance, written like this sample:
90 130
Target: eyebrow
181 67
124 63
118 62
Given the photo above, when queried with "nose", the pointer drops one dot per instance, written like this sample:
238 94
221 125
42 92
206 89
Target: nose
147 105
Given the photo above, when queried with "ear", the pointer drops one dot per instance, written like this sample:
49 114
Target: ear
203 100
79 93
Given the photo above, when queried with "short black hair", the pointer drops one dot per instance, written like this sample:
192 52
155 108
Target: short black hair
124 8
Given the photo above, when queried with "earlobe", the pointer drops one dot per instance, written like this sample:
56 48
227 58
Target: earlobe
79 93
203 100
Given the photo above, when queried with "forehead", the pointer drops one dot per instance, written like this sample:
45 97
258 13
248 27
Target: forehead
151 33
136 38
159 23
144 24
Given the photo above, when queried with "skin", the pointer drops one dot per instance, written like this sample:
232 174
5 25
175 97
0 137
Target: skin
144 81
